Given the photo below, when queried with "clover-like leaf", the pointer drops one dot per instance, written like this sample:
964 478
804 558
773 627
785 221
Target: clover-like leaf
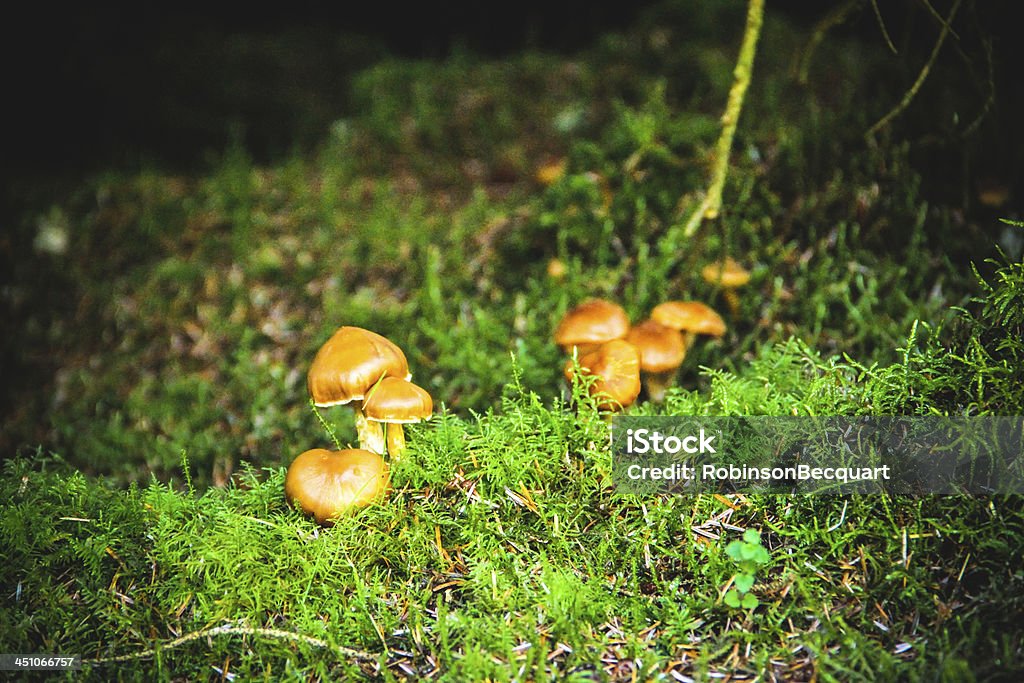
748 551
743 582
734 550
749 601
732 598
752 536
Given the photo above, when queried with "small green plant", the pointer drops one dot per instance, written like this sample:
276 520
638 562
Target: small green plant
749 554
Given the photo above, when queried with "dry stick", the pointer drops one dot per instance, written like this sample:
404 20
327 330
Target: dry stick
231 630
909 95
741 79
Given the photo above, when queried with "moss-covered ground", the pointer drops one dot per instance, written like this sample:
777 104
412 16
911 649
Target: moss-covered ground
167 320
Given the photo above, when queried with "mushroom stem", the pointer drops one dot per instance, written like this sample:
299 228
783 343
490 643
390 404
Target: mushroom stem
657 383
375 438
396 440
732 300
371 437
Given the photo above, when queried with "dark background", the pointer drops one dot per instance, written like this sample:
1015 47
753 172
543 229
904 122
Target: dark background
96 85
87 87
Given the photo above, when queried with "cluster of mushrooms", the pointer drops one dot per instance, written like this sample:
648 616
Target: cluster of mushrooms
364 370
368 372
618 355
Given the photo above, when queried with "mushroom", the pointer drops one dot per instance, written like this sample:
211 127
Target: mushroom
395 402
591 324
556 269
348 366
662 351
616 368
689 317
327 484
549 172
730 276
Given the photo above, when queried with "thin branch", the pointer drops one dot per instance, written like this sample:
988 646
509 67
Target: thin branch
231 630
834 18
323 423
881 25
909 95
938 17
991 99
712 202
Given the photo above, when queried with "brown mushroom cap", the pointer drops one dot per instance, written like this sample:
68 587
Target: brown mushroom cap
727 273
326 484
616 367
689 316
661 348
350 363
397 401
593 322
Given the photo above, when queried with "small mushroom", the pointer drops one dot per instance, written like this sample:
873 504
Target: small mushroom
992 192
549 172
556 269
615 366
689 317
590 325
730 276
348 366
395 402
662 351
327 484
